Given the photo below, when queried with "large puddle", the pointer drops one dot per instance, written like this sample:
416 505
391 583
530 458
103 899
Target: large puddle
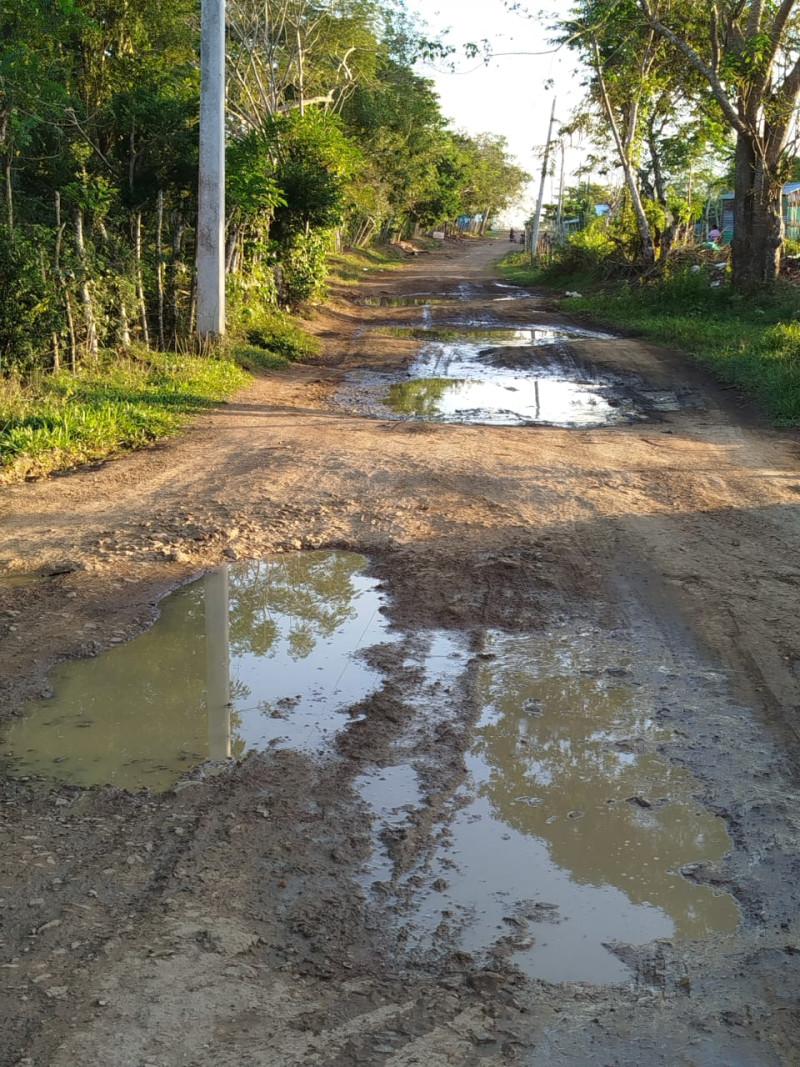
501 377
570 831
415 300
251 655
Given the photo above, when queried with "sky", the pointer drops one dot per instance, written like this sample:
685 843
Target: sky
509 96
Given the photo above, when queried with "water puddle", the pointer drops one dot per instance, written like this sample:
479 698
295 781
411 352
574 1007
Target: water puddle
570 831
512 292
507 377
486 334
17 581
417 300
254 654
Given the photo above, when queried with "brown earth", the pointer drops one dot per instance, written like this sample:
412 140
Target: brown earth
223 924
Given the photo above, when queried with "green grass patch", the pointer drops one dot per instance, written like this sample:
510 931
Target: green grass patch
350 266
62 420
516 267
752 343
273 339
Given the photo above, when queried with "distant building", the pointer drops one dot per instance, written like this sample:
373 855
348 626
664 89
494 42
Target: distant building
790 200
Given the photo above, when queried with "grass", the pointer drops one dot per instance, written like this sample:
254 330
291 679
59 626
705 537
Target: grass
61 420
751 343
350 266
272 340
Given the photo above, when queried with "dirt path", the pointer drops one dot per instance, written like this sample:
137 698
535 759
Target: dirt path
225 923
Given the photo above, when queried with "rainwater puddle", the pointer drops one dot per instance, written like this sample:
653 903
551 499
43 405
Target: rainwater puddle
571 829
418 300
248 656
481 336
512 292
17 581
506 377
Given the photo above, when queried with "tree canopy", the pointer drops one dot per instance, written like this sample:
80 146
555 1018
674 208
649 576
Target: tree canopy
332 135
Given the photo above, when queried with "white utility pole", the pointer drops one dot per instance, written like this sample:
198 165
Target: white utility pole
538 217
211 191
218 663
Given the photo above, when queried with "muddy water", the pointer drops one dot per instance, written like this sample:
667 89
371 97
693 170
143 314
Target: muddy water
418 300
256 654
571 829
16 581
500 377
568 832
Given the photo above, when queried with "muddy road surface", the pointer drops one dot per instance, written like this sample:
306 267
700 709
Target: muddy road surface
435 704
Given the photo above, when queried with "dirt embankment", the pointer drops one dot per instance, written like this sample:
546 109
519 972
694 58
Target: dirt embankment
223 923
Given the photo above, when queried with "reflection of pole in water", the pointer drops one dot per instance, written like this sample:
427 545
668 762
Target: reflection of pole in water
218 689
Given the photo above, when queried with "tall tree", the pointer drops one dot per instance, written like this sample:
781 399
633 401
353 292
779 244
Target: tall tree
747 53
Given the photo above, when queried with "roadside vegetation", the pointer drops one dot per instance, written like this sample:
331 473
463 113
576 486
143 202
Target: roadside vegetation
679 228
336 149
52 422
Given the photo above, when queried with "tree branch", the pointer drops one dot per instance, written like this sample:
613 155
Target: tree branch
730 112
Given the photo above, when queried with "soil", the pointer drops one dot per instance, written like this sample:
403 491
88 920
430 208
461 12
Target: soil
223 922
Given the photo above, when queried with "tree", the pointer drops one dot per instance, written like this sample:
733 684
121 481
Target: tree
647 100
746 51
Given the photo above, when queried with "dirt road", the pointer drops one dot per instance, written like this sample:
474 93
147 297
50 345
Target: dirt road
319 907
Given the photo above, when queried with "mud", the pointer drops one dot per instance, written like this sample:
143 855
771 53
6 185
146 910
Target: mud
592 624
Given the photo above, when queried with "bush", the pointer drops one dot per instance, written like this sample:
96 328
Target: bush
28 314
303 261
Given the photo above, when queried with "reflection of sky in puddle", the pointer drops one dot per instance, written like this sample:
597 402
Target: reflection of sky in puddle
454 382
509 401
547 842
494 376
251 655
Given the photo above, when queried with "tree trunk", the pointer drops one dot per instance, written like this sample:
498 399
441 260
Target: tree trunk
160 267
9 200
137 245
124 328
648 252
86 294
174 274
757 220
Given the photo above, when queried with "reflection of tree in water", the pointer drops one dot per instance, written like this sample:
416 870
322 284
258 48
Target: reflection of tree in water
298 598
420 396
561 740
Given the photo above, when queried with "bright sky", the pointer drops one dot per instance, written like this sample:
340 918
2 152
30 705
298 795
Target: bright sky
508 96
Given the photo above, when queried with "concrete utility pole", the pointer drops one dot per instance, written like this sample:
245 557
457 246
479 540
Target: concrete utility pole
538 217
218 663
211 192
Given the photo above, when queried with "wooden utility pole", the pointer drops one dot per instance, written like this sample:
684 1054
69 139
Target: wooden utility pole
538 216
211 191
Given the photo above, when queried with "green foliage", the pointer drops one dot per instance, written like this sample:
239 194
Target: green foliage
28 315
314 161
66 419
281 335
304 266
